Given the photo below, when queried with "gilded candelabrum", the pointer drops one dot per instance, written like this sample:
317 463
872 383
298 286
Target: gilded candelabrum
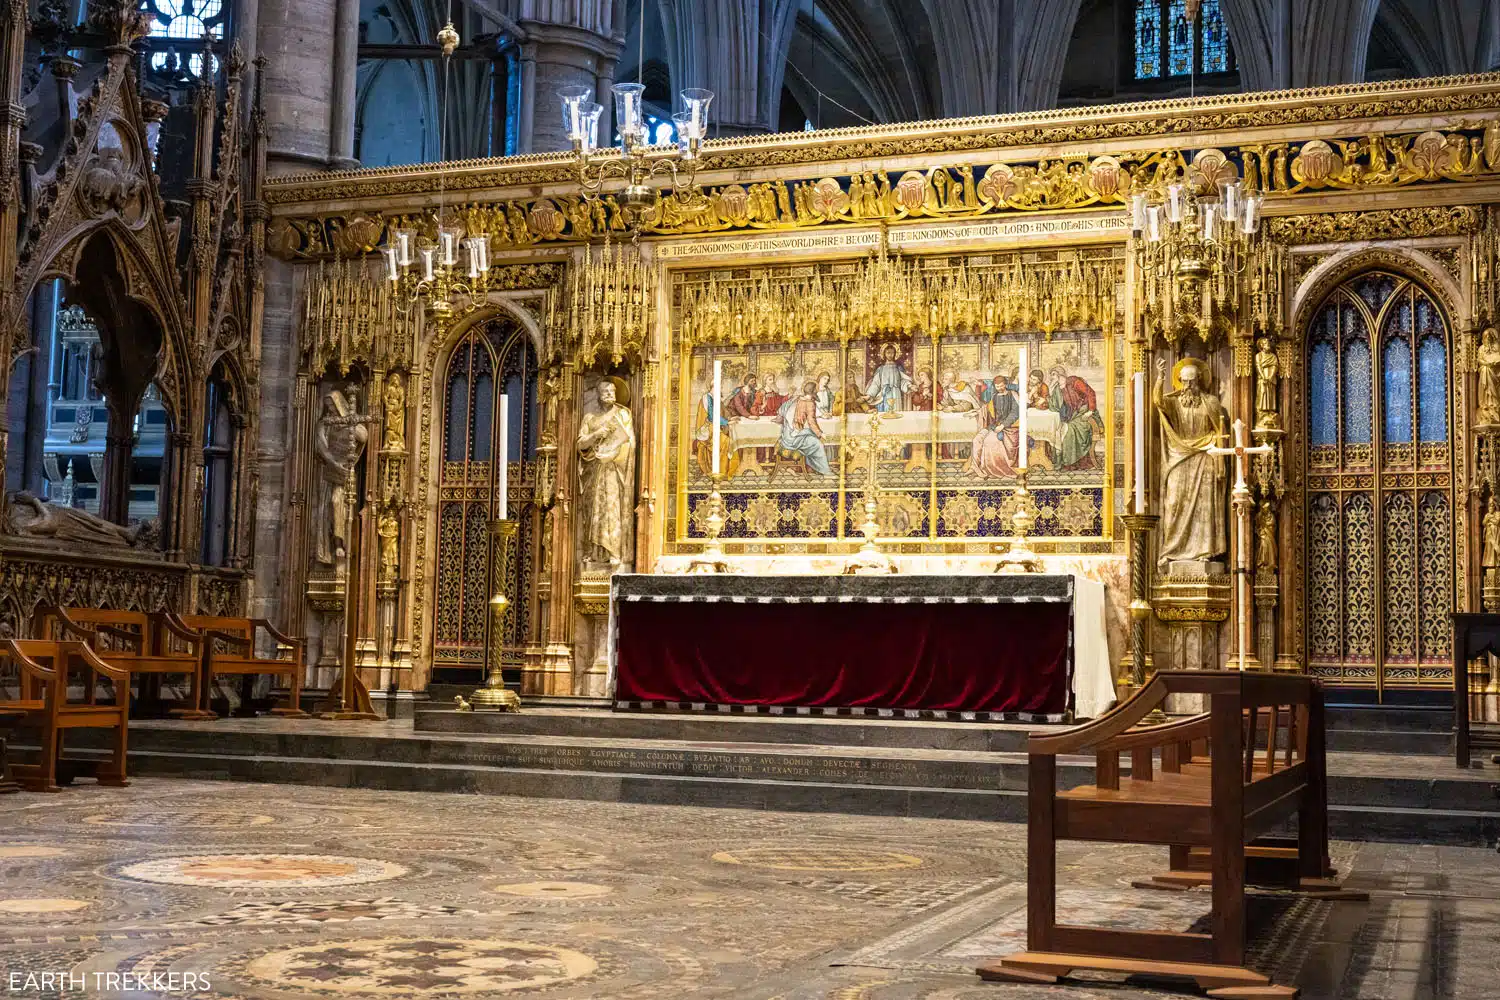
712 559
418 269
494 694
1020 558
869 560
1140 527
637 161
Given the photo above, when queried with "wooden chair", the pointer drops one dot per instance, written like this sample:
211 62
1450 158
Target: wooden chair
1254 760
43 667
230 650
150 646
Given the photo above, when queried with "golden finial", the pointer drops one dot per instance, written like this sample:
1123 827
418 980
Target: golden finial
448 39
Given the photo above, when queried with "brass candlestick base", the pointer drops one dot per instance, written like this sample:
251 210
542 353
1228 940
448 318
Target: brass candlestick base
1020 558
494 695
712 559
869 560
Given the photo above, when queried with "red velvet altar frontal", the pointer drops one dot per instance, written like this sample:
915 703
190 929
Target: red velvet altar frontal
957 657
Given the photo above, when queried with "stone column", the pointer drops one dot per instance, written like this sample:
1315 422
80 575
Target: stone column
299 82
557 56
345 69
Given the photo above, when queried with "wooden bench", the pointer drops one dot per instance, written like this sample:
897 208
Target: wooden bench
150 646
1225 777
230 650
41 672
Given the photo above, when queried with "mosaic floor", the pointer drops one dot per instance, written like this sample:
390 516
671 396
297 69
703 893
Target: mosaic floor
211 889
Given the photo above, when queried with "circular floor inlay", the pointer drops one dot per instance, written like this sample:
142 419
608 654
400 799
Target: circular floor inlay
819 859
41 905
262 871
420 967
555 890
29 851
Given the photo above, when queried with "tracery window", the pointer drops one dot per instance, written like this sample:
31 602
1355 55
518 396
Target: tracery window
488 364
1379 517
1167 44
175 38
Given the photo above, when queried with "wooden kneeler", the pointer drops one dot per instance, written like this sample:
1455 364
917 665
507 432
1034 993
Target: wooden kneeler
1217 791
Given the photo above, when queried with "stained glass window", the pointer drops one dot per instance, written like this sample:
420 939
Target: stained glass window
1147 39
1432 376
177 32
1377 598
1397 400
1167 44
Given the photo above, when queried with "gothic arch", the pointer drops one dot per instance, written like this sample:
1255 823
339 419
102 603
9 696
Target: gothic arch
1424 508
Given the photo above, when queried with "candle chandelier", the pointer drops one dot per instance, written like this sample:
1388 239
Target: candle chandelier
635 161
1201 260
443 265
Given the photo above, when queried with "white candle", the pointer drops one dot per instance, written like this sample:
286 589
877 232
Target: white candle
1139 378
504 456
1024 378
713 416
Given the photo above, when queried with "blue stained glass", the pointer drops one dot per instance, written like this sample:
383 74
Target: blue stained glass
1358 392
484 406
1323 387
1432 383
1179 40
1215 39
1397 383
1147 39
1428 323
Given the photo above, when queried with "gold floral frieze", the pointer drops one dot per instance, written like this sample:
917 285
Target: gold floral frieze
1384 224
1156 120
966 191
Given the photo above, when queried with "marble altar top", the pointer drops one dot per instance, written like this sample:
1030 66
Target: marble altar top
935 589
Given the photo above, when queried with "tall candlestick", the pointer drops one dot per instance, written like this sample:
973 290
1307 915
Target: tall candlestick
713 417
1024 378
504 456
1140 441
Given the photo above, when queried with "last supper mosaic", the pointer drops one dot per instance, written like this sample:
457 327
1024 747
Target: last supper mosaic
937 415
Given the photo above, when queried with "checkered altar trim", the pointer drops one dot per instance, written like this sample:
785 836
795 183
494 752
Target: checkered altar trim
841 599
846 713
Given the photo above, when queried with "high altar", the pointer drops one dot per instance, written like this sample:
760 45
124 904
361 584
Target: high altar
866 297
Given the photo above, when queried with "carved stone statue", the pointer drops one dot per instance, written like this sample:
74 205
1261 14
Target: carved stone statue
389 530
30 515
1490 554
339 440
1265 539
1489 377
1267 389
606 474
395 413
1193 481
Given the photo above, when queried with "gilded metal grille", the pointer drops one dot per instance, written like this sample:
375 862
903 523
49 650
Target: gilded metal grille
1379 561
487 365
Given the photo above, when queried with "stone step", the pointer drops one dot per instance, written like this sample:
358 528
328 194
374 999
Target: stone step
1369 718
1462 827
726 727
1394 741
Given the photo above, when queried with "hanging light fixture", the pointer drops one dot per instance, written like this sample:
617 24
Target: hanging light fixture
1193 252
449 265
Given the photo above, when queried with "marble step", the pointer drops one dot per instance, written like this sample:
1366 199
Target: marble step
1369 822
726 727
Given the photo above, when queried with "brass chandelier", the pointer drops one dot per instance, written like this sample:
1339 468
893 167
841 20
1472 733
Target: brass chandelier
1199 256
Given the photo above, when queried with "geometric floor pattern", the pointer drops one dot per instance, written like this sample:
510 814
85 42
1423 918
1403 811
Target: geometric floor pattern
188 889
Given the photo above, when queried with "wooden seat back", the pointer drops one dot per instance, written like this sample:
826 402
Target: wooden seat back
1216 780
44 669
230 649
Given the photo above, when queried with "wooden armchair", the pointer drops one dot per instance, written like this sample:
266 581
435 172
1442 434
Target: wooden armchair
42 668
148 645
1226 777
231 650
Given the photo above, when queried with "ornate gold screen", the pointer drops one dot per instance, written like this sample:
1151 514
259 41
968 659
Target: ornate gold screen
1379 492
488 361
